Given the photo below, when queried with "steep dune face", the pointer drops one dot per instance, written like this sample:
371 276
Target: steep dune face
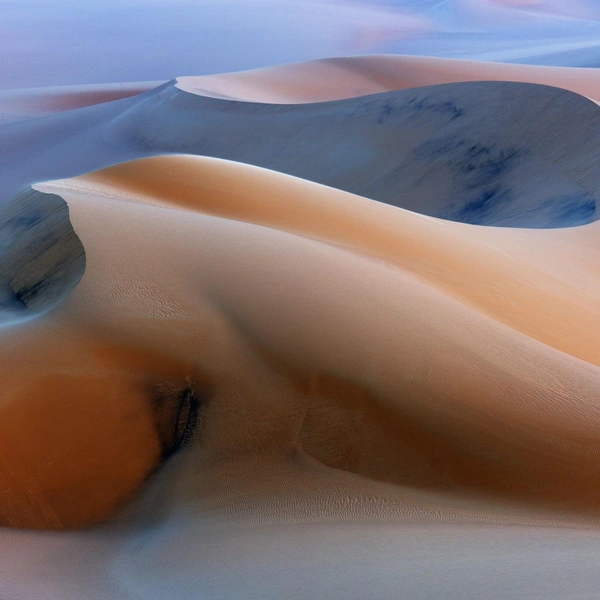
41 257
478 152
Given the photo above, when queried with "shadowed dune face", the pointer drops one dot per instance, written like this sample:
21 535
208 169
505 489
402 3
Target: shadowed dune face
449 151
477 152
41 257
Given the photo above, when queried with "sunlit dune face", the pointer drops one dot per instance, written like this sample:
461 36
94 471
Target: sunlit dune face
77 442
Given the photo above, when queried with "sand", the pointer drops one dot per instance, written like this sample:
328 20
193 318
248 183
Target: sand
337 78
475 152
389 400
447 256
17 105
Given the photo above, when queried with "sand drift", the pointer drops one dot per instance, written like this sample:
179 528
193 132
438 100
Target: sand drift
321 318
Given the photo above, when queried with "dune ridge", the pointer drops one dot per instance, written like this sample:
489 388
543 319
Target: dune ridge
485 268
475 152
389 402
348 77
437 366
17 105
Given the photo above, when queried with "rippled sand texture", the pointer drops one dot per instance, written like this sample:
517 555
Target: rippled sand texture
383 296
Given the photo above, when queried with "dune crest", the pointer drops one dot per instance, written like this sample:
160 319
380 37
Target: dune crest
514 276
348 77
474 152
17 105
301 323
250 378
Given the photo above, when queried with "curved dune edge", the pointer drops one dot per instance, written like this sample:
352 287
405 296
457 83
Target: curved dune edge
479 152
303 339
543 283
348 77
493 170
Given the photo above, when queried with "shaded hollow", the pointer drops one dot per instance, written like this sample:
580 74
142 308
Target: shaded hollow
41 258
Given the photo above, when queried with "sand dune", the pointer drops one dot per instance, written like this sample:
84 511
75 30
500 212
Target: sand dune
476 152
505 263
16 105
422 365
309 346
348 77
380 392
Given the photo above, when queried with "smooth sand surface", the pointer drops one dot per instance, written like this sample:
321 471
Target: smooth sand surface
16 105
553 273
309 346
391 404
337 78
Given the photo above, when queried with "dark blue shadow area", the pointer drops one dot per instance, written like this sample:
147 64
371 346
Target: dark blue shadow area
41 257
487 153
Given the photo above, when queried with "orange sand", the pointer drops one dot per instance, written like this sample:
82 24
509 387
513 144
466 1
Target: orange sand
313 313
363 369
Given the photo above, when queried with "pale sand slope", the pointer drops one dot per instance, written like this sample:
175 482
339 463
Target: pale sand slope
554 274
480 406
477 152
16 105
302 345
347 77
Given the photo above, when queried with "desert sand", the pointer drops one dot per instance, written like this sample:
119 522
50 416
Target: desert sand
391 403
475 152
39 102
348 77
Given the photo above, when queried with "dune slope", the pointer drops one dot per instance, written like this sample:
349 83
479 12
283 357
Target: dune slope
482 267
418 324
41 257
276 388
471 152
348 77
16 105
